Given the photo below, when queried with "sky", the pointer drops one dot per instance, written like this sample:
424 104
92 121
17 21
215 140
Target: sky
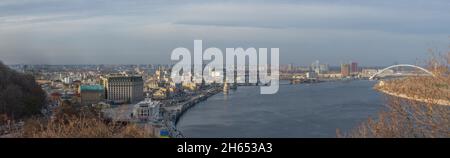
372 32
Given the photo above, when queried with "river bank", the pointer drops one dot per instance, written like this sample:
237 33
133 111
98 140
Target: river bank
416 98
194 101
172 114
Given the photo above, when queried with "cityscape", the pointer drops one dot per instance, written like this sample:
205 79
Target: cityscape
85 69
147 96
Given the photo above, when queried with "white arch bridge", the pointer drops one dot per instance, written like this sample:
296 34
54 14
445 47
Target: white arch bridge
401 65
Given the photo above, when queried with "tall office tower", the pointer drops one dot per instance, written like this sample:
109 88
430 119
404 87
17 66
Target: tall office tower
290 67
354 67
315 67
345 70
124 88
323 68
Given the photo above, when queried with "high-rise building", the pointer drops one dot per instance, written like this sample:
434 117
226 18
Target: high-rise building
290 67
323 68
354 67
345 70
315 67
68 80
124 88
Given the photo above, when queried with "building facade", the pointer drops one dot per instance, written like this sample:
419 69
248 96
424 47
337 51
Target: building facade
146 110
91 94
355 68
345 70
123 88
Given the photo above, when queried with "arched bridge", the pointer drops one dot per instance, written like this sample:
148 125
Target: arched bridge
401 65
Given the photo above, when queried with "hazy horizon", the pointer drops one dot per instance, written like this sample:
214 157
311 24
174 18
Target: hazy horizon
138 32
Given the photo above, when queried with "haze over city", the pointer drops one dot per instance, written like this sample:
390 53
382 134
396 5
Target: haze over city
124 32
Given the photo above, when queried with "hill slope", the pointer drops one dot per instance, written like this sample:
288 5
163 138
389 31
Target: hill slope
20 96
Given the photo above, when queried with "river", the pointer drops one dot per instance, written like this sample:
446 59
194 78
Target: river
296 111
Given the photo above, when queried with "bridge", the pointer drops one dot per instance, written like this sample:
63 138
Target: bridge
400 65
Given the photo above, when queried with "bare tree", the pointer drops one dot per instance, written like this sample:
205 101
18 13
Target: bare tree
422 115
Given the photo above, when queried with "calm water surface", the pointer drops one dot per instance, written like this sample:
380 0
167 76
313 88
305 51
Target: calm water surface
306 110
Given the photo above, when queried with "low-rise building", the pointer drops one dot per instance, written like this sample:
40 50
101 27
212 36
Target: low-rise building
368 72
91 94
146 110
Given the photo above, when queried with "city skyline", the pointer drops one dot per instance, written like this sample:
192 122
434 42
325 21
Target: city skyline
120 32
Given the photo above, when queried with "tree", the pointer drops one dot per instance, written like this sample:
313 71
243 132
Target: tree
20 96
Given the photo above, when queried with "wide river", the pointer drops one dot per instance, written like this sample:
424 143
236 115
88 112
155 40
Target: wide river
305 110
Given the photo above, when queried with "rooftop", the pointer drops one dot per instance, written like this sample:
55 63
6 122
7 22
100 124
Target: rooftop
91 88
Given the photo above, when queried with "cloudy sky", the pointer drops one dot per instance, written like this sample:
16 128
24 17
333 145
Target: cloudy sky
378 32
